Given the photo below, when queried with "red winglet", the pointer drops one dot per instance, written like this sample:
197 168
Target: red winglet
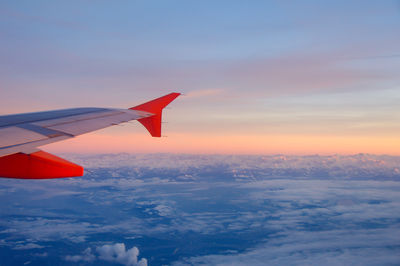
153 123
38 165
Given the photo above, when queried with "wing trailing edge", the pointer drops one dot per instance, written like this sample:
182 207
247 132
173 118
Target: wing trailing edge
37 165
153 123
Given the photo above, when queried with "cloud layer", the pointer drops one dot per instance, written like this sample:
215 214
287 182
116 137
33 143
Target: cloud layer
213 210
361 166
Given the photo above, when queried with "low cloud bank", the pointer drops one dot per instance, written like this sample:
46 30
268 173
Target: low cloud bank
359 166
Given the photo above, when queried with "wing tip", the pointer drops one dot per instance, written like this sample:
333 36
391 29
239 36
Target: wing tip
153 123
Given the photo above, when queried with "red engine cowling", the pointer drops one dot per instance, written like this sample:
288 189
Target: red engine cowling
38 165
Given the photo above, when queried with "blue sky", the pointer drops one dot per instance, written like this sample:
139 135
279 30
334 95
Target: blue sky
238 62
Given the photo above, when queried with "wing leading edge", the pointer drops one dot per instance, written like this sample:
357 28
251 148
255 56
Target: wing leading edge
20 135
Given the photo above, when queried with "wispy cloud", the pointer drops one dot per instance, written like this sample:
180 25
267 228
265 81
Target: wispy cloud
85 256
27 246
359 247
205 93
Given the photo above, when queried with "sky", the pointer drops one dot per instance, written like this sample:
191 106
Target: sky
259 77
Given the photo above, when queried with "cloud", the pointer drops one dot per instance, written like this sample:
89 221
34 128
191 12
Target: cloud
7 231
44 229
336 247
116 253
27 246
360 166
204 93
85 256
41 255
231 204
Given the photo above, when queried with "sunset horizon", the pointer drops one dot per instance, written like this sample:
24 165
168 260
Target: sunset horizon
188 133
288 85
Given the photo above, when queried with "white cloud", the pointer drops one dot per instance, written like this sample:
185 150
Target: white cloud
116 253
85 256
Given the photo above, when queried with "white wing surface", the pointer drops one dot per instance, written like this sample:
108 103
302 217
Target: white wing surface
22 134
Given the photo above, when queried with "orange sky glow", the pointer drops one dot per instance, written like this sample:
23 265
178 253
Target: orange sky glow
230 144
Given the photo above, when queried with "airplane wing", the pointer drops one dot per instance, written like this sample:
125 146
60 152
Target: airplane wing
22 134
